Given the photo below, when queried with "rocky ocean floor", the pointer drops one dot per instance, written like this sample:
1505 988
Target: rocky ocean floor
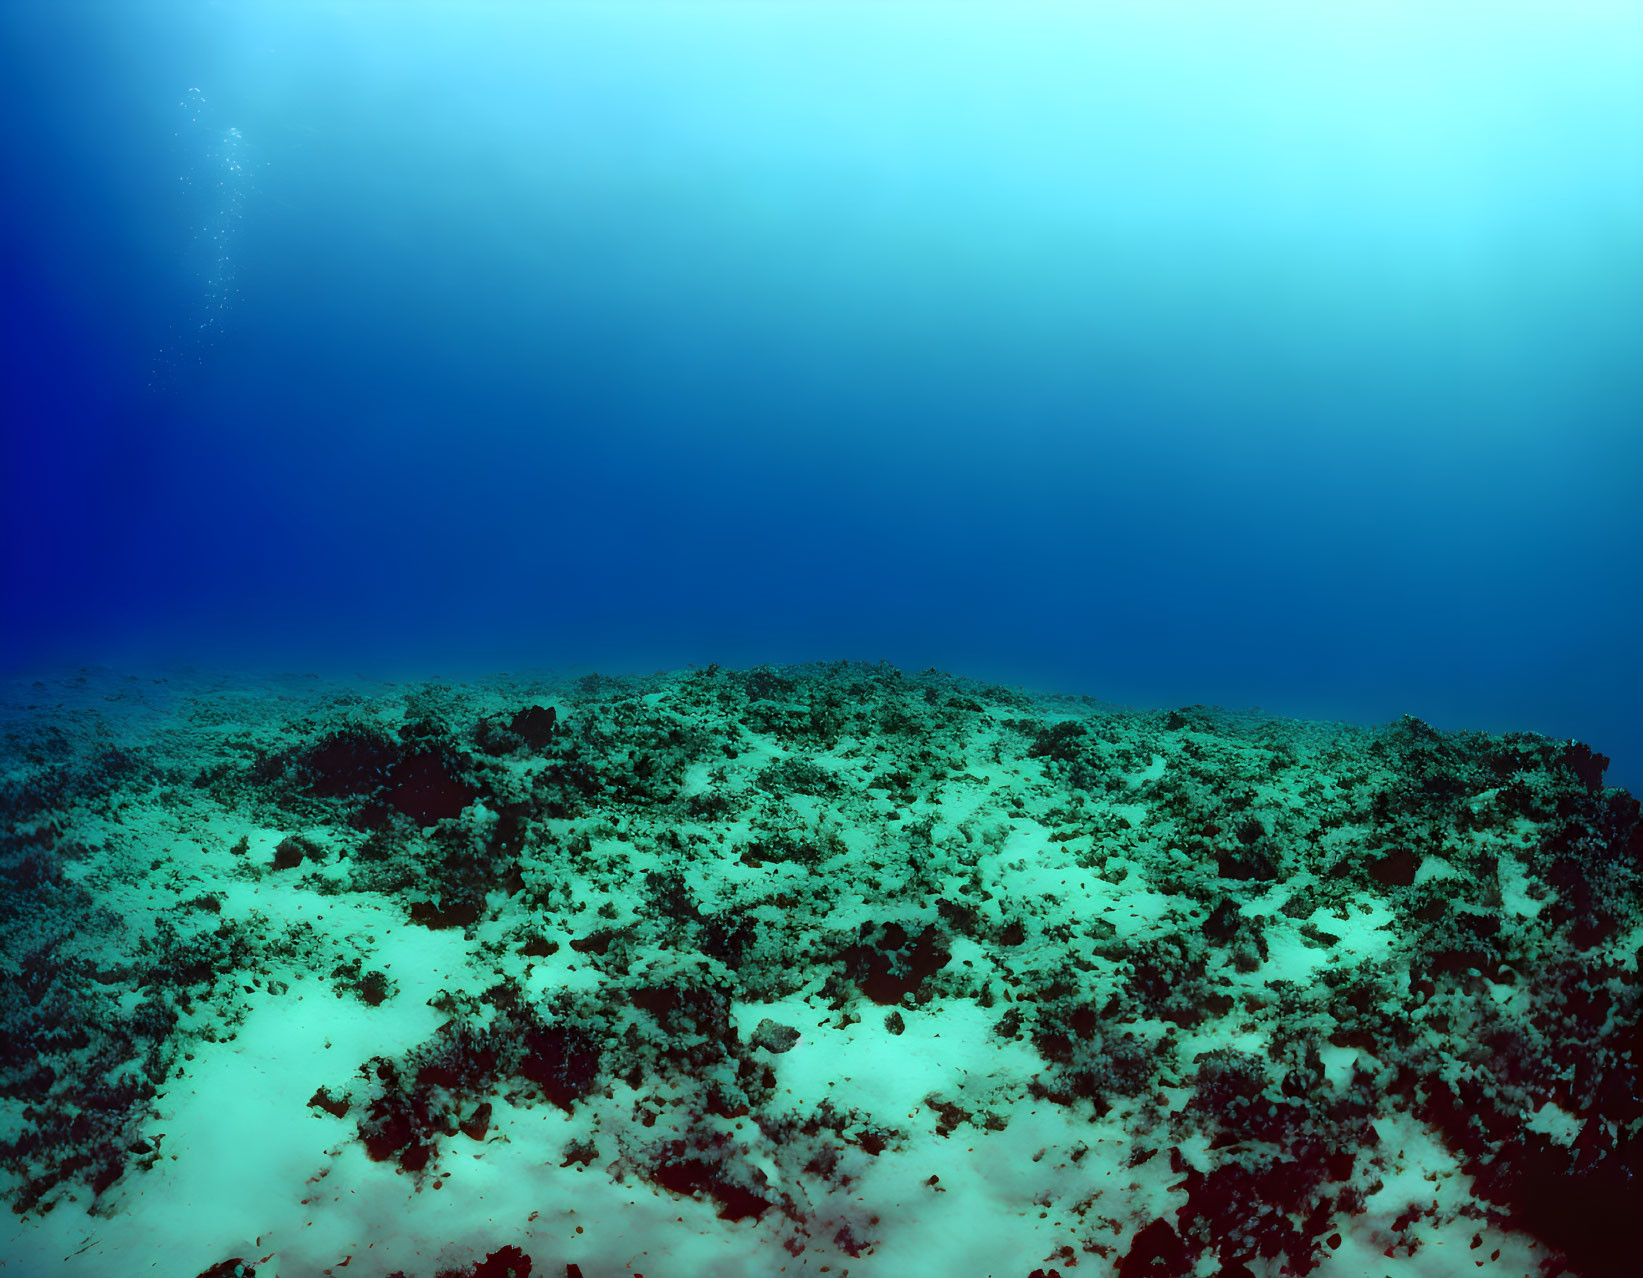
822 969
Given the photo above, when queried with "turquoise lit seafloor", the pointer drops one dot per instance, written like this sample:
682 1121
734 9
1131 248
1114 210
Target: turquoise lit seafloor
739 638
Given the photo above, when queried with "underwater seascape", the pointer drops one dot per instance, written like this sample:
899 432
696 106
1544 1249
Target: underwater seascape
764 638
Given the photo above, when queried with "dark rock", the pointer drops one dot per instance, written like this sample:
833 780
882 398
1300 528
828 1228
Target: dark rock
234 1268
478 1123
888 965
509 1262
563 1061
776 1038
535 726
323 1099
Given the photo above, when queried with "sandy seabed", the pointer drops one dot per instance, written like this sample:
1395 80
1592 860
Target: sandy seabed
819 969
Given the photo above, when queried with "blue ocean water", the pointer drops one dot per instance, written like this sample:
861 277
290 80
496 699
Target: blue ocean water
1243 354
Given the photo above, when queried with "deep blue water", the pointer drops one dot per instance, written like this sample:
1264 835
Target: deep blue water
1252 354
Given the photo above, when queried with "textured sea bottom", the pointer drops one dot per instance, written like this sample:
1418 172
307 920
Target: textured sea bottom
823 969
